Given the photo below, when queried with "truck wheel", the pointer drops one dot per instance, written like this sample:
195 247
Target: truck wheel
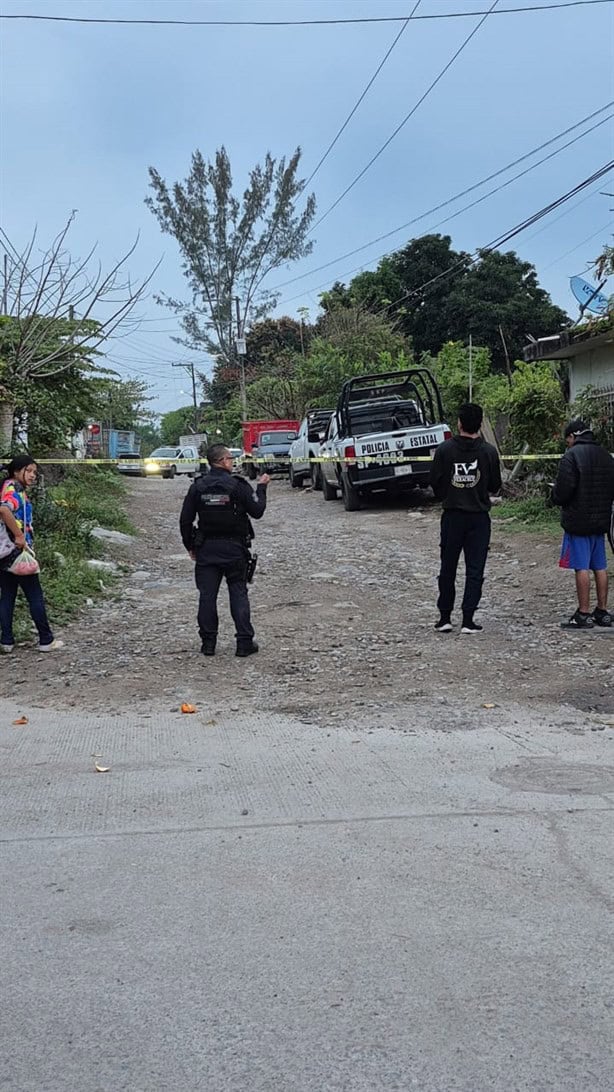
316 475
252 473
351 496
172 471
295 481
329 491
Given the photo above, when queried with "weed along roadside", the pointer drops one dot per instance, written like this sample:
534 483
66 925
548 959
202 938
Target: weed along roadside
66 516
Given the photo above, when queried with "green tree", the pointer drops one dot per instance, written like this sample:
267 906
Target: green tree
537 406
273 348
499 301
49 326
150 437
452 368
176 423
435 294
229 246
120 403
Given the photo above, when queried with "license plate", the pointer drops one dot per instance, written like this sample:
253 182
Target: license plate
403 469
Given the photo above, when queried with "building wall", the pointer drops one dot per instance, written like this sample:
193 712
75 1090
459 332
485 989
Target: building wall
594 368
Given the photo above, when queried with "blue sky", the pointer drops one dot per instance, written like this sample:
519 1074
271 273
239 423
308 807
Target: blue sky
87 108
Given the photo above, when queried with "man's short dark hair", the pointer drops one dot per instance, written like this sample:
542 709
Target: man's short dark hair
470 416
575 427
216 453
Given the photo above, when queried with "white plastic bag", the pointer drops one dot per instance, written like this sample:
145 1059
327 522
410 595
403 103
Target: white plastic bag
25 564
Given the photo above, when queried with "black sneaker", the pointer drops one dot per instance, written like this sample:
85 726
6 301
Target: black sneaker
601 617
208 646
469 626
581 621
444 625
247 649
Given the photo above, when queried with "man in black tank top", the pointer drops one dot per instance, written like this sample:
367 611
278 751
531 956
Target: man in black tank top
221 503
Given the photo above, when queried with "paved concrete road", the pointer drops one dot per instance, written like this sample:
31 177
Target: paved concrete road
264 904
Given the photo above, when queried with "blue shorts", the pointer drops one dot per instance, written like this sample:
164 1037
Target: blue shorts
583 552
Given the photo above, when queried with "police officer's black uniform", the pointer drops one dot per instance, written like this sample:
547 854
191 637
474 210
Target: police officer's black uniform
223 503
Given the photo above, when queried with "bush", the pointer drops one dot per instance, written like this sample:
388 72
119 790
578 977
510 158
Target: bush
64 516
532 512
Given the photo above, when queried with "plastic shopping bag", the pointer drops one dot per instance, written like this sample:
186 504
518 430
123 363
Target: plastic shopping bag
24 564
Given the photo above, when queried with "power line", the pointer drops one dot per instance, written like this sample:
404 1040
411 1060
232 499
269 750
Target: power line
363 95
297 22
501 240
451 200
578 245
411 113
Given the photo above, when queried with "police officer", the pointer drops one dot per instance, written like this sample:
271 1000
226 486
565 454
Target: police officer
222 502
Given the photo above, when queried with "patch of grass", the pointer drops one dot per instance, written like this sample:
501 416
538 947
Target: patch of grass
64 516
531 513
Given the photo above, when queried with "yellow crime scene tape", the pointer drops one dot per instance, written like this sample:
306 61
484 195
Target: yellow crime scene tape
382 460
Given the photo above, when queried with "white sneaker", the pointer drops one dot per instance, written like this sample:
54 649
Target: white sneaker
6 649
52 647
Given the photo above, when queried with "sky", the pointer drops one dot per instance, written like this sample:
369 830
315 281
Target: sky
86 109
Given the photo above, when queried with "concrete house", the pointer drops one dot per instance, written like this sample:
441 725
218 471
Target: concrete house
590 354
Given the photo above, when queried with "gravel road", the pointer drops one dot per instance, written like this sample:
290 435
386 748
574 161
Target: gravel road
344 606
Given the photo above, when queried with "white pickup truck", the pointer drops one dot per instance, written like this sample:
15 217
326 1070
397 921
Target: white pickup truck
171 460
382 436
306 448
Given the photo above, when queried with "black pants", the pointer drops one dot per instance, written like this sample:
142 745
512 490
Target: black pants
30 585
214 560
467 533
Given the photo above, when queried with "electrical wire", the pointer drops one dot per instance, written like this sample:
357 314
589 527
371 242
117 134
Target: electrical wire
407 117
464 208
451 200
363 95
501 240
296 22
578 245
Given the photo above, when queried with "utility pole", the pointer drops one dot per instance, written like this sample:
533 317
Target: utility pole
470 368
241 351
5 286
189 368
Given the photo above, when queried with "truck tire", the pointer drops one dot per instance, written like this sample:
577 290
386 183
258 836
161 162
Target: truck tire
252 473
316 474
170 473
351 496
329 491
296 481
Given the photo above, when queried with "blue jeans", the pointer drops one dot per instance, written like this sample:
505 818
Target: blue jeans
31 586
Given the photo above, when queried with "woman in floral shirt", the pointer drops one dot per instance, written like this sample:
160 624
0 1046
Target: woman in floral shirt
16 531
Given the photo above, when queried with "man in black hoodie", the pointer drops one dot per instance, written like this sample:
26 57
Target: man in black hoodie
465 472
584 489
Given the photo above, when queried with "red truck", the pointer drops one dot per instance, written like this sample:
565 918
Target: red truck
266 445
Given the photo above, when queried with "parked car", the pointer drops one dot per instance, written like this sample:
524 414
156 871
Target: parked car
382 436
306 448
271 454
252 430
168 461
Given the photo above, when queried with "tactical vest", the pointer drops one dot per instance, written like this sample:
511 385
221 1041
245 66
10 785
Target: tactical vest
220 515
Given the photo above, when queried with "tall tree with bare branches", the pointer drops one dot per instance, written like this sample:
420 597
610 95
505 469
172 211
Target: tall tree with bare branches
57 312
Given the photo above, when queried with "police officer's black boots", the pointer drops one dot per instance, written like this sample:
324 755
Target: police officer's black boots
208 646
246 648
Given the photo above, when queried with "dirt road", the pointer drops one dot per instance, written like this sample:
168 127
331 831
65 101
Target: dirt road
343 605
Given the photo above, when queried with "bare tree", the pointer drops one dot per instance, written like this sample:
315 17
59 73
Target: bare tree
57 312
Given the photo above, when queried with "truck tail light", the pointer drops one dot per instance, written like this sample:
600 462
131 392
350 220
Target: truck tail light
447 434
350 452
